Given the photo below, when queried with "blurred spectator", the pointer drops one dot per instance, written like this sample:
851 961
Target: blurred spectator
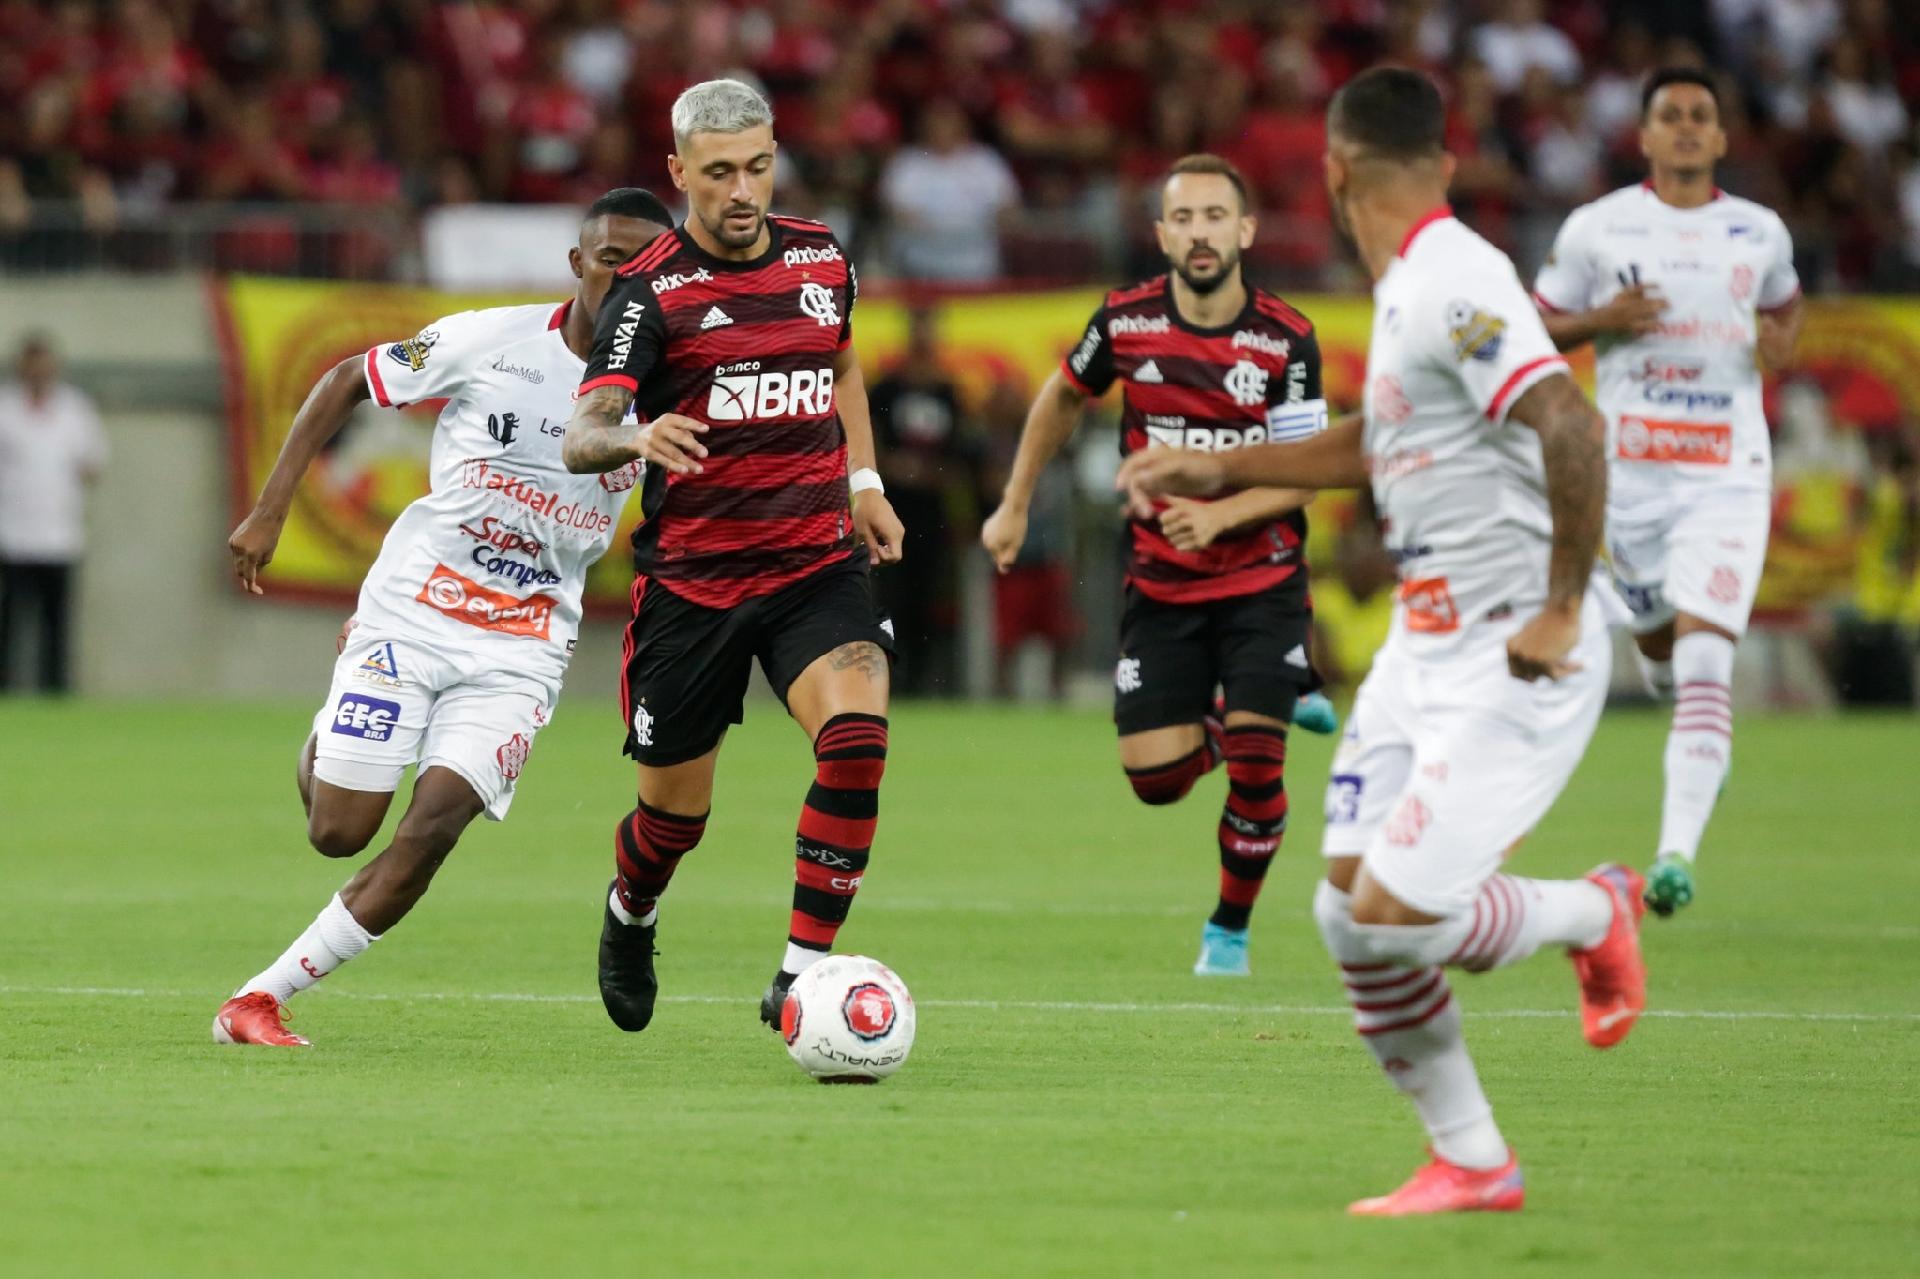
946 198
927 463
1872 662
1032 600
51 449
1520 40
1352 605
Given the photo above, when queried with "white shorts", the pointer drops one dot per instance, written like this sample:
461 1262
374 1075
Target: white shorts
1447 762
1697 549
398 701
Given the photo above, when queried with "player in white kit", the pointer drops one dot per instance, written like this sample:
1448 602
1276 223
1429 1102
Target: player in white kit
1678 284
467 619
1485 463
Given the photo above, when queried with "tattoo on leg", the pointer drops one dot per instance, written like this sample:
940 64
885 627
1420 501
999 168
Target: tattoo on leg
864 656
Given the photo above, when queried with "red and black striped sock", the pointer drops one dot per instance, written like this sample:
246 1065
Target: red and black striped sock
1166 783
647 846
1254 819
836 829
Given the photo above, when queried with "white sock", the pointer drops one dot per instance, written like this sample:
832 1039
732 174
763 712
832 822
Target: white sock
625 916
1407 1016
1700 745
799 959
1658 676
1513 917
333 938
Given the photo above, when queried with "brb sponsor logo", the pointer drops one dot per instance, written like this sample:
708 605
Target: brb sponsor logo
371 719
1645 439
742 393
869 1011
478 473
1172 430
465 600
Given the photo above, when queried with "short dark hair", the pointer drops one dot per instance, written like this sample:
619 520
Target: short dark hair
36 342
630 202
1217 165
1394 112
1677 75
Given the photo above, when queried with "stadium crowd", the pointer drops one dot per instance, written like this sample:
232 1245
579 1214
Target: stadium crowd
952 140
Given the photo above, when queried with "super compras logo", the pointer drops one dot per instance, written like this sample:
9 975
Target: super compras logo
371 719
742 393
499 543
466 601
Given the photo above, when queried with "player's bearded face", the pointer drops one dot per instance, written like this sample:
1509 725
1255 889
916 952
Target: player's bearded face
728 178
1202 229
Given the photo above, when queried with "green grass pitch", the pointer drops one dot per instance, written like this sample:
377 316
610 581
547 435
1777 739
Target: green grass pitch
1077 1104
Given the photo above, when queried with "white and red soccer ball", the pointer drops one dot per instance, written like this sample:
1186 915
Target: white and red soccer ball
848 1020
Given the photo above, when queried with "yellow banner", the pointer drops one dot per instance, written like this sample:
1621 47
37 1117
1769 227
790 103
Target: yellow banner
1861 357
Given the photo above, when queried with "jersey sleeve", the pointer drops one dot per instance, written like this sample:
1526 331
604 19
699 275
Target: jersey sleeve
1296 406
1492 338
1780 284
629 336
430 365
1089 366
853 295
1566 280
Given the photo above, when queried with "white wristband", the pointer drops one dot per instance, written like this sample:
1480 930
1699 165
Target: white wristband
863 479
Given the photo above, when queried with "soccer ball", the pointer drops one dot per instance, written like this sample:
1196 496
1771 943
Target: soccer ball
848 1020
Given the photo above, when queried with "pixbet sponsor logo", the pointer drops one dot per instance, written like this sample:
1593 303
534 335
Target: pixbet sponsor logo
1645 439
807 255
371 719
478 473
468 602
623 335
742 393
668 283
1139 324
1255 341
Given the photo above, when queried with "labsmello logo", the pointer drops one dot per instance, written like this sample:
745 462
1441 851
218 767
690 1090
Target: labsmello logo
465 600
1645 439
478 473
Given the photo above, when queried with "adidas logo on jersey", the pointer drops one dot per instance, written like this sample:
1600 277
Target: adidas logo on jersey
714 319
1297 656
1148 372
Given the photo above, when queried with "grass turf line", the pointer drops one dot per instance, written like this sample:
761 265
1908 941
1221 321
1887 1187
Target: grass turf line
158 846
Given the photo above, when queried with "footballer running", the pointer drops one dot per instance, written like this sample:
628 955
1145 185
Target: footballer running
467 619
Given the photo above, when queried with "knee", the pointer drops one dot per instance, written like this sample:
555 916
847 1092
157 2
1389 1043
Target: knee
1156 792
1375 906
335 836
1169 783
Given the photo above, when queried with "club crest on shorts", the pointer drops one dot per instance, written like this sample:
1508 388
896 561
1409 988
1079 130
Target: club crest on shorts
868 1011
642 726
1126 676
513 756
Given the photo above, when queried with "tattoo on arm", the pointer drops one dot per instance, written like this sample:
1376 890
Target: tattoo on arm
595 439
1571 448
864 656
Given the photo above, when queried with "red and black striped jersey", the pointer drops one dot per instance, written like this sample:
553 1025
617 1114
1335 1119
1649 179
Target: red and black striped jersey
747 347
1254 380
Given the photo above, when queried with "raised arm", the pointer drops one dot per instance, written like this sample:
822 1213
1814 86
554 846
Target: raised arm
1051 420
327 408
1572 450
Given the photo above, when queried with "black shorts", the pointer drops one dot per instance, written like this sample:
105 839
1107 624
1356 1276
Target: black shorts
1253 648
687 666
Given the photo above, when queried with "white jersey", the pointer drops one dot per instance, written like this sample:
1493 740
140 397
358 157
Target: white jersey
493 560
1682 403
1461 490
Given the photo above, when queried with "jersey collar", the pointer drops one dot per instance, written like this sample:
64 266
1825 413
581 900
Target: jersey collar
560 314
1438 214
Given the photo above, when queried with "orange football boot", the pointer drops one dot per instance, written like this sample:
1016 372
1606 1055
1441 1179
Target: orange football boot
1613 977
255 1017
1444 1187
